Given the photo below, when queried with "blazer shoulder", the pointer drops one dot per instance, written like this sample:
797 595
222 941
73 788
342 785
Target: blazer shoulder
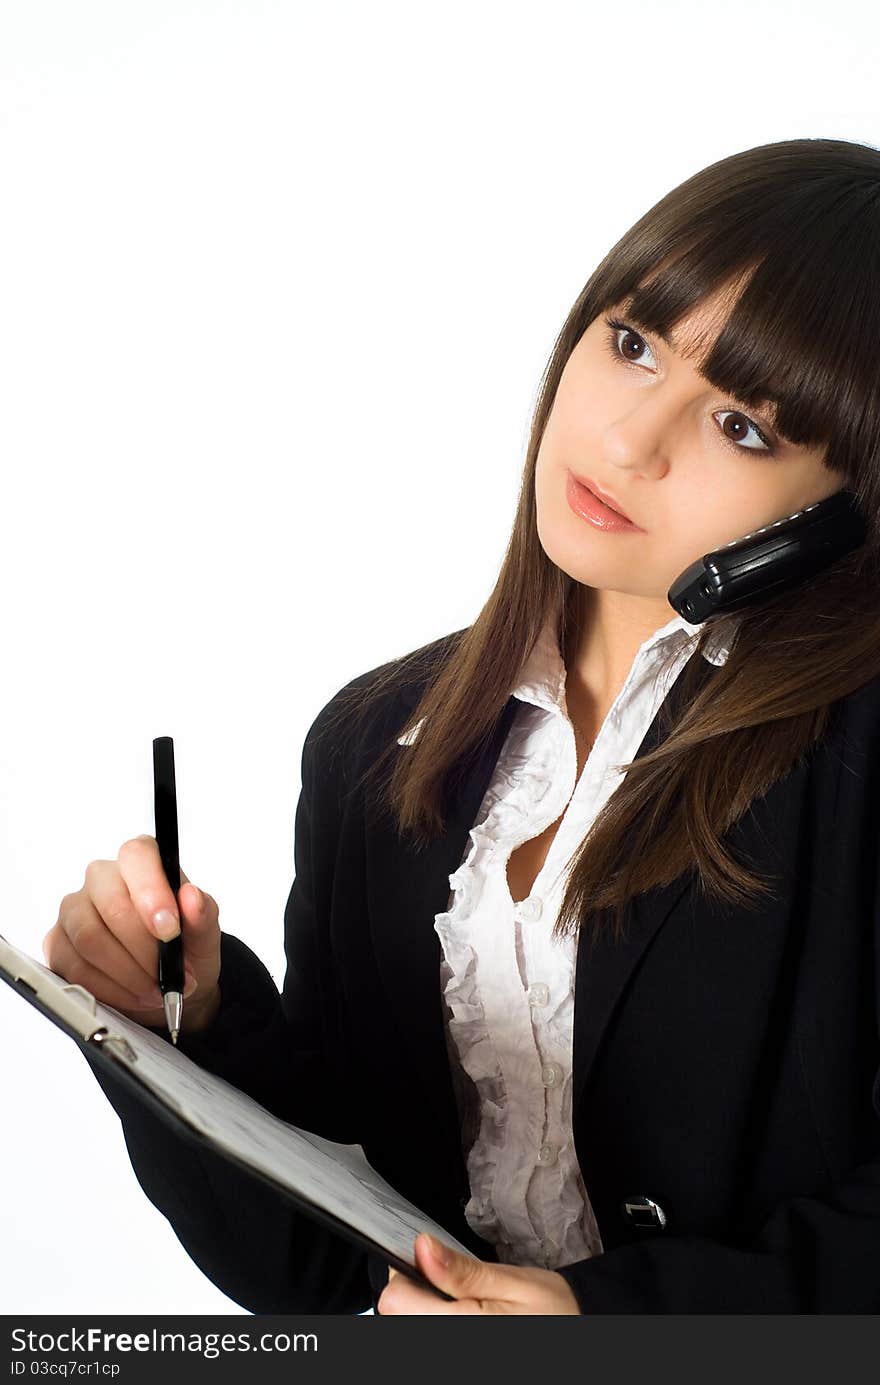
373 704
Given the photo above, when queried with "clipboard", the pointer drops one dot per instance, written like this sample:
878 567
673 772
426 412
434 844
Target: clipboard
332 1183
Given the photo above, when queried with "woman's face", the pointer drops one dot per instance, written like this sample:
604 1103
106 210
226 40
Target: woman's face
685 463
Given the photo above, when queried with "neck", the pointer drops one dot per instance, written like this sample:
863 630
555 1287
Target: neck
601 647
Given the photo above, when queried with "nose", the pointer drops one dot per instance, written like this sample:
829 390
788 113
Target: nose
641 437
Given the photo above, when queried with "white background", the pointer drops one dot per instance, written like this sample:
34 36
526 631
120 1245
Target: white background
277 285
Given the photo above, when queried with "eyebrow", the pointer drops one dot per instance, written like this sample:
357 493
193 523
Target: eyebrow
762 401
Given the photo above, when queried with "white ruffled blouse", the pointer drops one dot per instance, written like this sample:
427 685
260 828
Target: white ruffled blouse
509 987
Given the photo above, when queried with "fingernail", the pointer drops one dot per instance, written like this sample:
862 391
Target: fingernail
166 924
439 1251
189 985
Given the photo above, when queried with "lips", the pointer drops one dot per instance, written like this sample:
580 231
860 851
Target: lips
602 495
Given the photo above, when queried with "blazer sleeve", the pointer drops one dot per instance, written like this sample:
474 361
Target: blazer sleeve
286 1052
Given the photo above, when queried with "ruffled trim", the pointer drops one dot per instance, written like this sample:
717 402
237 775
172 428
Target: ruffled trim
469 1030
505 819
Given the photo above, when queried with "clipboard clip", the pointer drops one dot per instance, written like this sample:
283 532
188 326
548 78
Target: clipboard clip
86 995
104 1039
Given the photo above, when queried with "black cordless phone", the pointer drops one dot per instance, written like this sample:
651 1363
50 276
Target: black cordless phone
769 560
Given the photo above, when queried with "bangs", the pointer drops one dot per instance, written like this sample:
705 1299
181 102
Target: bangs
803 283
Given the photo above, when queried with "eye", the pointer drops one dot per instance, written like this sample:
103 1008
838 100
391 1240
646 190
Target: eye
743 421
614 339
764 445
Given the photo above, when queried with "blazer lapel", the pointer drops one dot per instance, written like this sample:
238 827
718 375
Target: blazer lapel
405 889
602 972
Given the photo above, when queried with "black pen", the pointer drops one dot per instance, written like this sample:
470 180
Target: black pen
170 953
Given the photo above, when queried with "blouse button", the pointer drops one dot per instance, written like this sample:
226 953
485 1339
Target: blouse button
547 1154
530 908
539 993
551 1074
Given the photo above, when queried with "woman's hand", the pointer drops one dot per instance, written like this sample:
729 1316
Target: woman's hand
106 937
477 1286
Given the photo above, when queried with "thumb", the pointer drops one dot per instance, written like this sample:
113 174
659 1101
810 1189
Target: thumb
462 1276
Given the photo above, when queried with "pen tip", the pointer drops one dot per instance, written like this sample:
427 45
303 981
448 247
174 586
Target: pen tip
174 1034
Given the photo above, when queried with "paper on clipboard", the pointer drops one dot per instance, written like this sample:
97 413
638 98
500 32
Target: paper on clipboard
335 1177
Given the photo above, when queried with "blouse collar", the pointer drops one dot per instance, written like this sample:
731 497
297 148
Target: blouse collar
543 673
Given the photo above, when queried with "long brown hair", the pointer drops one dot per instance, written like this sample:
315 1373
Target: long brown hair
798 222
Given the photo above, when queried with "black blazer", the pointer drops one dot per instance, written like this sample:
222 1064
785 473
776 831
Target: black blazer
726 1099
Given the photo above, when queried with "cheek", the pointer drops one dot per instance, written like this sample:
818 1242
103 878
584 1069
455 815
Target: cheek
731 515
574 428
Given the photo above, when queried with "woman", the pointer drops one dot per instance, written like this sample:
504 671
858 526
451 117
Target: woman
583 931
